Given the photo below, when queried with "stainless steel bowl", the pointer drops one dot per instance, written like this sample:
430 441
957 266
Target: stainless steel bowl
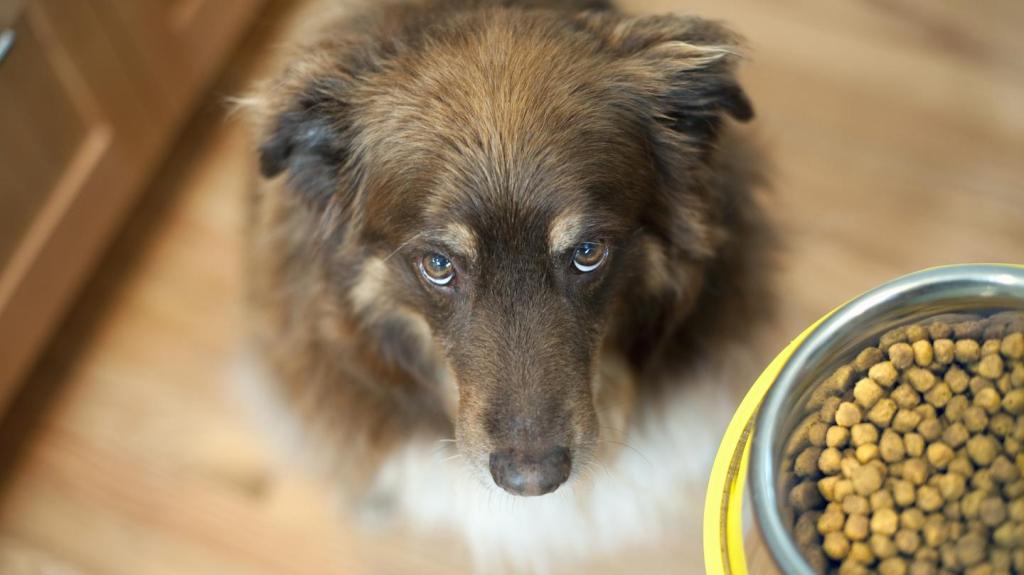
912 298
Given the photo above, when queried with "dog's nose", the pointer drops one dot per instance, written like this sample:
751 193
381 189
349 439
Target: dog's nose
527 473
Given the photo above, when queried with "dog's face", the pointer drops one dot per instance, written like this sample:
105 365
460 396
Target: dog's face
494 192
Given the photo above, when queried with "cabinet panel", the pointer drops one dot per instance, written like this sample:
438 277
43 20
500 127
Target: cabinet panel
91 98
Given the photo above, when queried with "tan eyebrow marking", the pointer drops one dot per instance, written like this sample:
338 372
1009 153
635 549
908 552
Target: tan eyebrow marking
460 237
564 231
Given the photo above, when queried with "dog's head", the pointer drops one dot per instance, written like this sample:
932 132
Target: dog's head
494 189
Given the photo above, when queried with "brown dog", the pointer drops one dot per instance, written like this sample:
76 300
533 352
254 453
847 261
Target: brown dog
500 223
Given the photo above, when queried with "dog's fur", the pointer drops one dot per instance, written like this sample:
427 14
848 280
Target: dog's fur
502 133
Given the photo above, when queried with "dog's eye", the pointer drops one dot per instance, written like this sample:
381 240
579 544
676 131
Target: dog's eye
589 256
438 269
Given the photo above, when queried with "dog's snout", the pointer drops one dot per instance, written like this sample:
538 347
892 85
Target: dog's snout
530 473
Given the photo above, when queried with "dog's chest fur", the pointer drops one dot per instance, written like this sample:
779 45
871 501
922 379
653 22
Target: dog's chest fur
646 495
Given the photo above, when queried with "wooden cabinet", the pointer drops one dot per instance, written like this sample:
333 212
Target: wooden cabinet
91 95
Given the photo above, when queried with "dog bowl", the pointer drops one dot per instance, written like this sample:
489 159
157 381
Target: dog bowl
752 449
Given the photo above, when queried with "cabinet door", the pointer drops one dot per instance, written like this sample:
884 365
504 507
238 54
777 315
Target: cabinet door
175 41
56 150
91 96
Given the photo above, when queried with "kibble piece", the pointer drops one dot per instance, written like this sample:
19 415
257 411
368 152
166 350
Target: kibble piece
970 505
952 511
863 433
1014 402
912 518
805 496
982 480
914 444
962 466
956 435
967 351
890 447
882 413
901 355
866 480
827 413
971 549
884 522
892 337
829 460
842 489
1012 346
856 504
867 358
893 566
1016 510
1004 471
952 486
991 366
882 545
930 429
848 414
982 449
1017 375
1008 535
922 567
881 499
836 546
940 330
939 454
924 354
935 532
990 346
992 511
816 433
848 465
905 421
884 373
988 399
907 541
1011 446
915 471
944 350
856 528
955 408
975 418
978 383
827 487
831 520
926 411
939 395
837 436
956 379
903 492
867 392
806 463
920 379
905 396
866 453
860 552
929 499
916 333
1001 425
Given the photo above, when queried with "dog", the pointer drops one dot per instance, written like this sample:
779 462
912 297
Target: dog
514 233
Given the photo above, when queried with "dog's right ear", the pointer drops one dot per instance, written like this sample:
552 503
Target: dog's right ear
306 134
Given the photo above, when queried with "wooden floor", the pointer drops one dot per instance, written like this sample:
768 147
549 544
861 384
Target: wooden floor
897 128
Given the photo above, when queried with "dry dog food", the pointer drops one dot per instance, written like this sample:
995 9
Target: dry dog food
911 460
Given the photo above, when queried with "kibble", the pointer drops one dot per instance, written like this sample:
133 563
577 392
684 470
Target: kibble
914 462
837 437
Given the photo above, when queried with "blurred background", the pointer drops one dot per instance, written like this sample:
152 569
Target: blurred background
896 128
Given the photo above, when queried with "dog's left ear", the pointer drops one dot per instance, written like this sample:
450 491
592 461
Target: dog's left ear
683 66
